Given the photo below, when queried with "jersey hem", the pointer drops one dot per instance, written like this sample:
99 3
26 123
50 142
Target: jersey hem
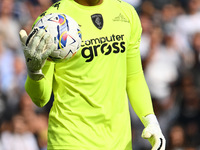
72 147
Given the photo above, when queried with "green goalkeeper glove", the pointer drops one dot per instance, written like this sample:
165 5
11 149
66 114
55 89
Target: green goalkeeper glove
37 47
153 133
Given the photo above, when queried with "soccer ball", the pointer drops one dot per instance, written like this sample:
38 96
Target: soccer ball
65 32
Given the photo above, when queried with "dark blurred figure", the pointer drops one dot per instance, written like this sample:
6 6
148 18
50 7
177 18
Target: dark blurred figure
176 138
147 27
195 44
189 115
186 27
36 119
18 137
9 25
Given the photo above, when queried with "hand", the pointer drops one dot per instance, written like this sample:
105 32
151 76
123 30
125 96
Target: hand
153 133
37 47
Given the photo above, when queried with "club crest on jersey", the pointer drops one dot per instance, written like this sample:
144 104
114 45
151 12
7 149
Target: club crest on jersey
97 20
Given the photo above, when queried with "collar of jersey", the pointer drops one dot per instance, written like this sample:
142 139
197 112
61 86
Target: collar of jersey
89 7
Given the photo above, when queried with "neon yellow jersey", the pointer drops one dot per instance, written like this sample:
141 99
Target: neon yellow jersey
90 109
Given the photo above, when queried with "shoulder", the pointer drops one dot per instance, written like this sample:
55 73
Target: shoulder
122 4
125 7
58 7
127 10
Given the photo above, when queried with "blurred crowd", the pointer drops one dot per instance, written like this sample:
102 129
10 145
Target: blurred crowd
170 52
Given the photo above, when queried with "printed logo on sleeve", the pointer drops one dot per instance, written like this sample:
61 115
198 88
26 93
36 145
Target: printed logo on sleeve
56 5
121 18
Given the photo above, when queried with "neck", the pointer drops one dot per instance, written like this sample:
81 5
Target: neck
89 2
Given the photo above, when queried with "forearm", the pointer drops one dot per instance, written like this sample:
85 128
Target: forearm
141 102
139 95
40 91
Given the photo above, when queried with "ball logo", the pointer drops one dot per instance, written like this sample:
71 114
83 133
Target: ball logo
62 33
62 40
61 19
61 28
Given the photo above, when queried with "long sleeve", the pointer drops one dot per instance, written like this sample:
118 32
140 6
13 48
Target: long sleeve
137 89
40 91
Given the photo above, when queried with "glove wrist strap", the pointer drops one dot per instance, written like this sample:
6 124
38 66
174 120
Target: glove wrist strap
149 119
37 75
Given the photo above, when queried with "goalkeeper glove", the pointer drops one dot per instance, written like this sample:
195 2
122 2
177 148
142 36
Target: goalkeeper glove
37 47
153 133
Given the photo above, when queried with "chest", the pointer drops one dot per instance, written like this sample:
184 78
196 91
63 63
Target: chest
105 37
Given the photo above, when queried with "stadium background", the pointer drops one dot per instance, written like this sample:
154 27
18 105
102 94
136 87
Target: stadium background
170 51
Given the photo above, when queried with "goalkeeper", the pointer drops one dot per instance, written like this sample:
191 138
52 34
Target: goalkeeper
90 109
